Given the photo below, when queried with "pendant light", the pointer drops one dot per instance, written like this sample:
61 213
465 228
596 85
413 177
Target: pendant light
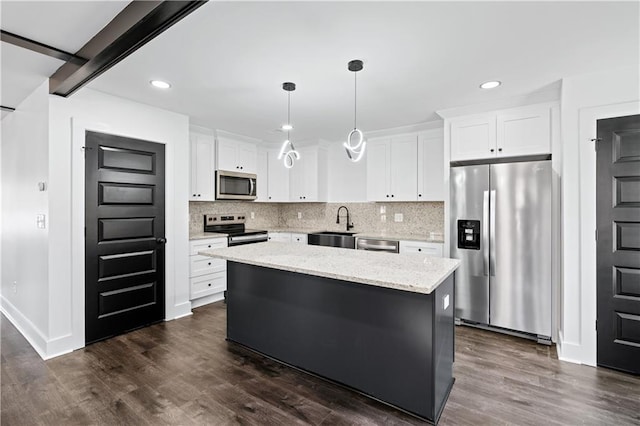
355 144
287 152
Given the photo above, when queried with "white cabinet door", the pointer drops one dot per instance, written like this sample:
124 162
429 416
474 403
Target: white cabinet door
227 155
281 237
428 249
404 168
202 168
378 170
473 138
237 156
431 166
524 131
262 190
278 181
299 238
247 158
306 180
205 285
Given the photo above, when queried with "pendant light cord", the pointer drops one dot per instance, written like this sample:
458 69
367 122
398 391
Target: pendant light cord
288 114
355 99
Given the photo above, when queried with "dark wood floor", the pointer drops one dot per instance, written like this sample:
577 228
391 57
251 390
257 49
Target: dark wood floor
183 372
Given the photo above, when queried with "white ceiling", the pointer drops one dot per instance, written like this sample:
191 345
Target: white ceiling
63 25
227 60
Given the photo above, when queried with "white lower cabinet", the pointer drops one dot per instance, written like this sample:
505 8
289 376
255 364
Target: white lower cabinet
207 275
288 237
429 249
299 238
280 237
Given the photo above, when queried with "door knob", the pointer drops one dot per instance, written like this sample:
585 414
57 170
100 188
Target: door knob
161 240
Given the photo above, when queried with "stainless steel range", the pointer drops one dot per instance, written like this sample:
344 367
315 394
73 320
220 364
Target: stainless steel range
233 225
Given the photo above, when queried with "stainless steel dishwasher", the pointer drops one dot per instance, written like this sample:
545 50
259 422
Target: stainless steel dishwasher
374 244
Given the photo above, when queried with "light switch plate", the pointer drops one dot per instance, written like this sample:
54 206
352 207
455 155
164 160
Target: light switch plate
253 215
398 217
445 302
40 221
383 209
299 215
383 218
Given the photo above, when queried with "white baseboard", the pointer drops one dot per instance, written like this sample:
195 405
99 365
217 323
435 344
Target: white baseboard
569 352
206 300
179 311
30 332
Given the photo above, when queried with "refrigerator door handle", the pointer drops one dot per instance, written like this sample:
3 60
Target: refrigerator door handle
485 232
492 234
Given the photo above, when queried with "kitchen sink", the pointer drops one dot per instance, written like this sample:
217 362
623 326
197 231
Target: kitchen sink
333 239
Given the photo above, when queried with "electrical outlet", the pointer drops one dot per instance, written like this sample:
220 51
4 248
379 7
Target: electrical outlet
15 287
253 215
40 221
299 215
398 217
445 302
383 209
383 218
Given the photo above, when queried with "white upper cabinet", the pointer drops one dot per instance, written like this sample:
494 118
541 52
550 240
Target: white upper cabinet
236 156
431 166
473 138
505 133
202 167
262 190
392 168
524 131
308 176
278 179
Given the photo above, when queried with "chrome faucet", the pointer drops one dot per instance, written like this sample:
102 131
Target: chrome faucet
349 225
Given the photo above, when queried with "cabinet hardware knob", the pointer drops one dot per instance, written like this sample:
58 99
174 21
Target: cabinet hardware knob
209 284
419 195
392 195
419 249
499 149
492 150
387 195
269 197
209 246
209 263
194 195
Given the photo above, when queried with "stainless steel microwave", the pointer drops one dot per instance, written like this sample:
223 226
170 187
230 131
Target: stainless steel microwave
235 186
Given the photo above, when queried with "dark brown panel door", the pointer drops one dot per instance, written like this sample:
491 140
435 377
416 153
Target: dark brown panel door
618 247
124 242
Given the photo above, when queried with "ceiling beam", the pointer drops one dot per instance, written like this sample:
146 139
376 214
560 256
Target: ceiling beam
36 46
137 24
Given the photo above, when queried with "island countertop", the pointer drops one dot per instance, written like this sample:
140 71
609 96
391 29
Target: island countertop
408 272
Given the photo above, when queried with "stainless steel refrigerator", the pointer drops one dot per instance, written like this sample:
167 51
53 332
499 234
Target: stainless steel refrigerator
501 231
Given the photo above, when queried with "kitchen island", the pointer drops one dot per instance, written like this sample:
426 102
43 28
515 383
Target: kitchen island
379 323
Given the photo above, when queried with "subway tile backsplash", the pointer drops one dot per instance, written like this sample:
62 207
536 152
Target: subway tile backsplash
420 218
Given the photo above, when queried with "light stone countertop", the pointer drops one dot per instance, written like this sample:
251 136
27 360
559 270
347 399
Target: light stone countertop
205 235
411 272
295 230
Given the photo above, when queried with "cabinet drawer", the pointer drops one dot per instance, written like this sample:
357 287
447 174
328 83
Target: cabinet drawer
212 243
281 237
299 238
202 265
208 284
429 249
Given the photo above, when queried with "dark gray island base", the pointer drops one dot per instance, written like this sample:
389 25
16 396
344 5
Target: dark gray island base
392 345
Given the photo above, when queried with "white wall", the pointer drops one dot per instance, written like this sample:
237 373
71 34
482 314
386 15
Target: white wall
25 248
585 98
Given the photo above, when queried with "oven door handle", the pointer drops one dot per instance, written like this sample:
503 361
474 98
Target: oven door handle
252 187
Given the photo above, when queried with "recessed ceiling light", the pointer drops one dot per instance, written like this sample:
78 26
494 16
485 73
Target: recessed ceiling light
287 127
160 84
490 84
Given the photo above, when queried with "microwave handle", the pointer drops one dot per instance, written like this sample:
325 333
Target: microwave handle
252 186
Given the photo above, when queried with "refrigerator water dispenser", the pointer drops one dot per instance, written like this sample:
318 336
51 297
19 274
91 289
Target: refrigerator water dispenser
469 234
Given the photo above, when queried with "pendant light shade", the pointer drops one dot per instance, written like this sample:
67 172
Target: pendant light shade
287 152
355 144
